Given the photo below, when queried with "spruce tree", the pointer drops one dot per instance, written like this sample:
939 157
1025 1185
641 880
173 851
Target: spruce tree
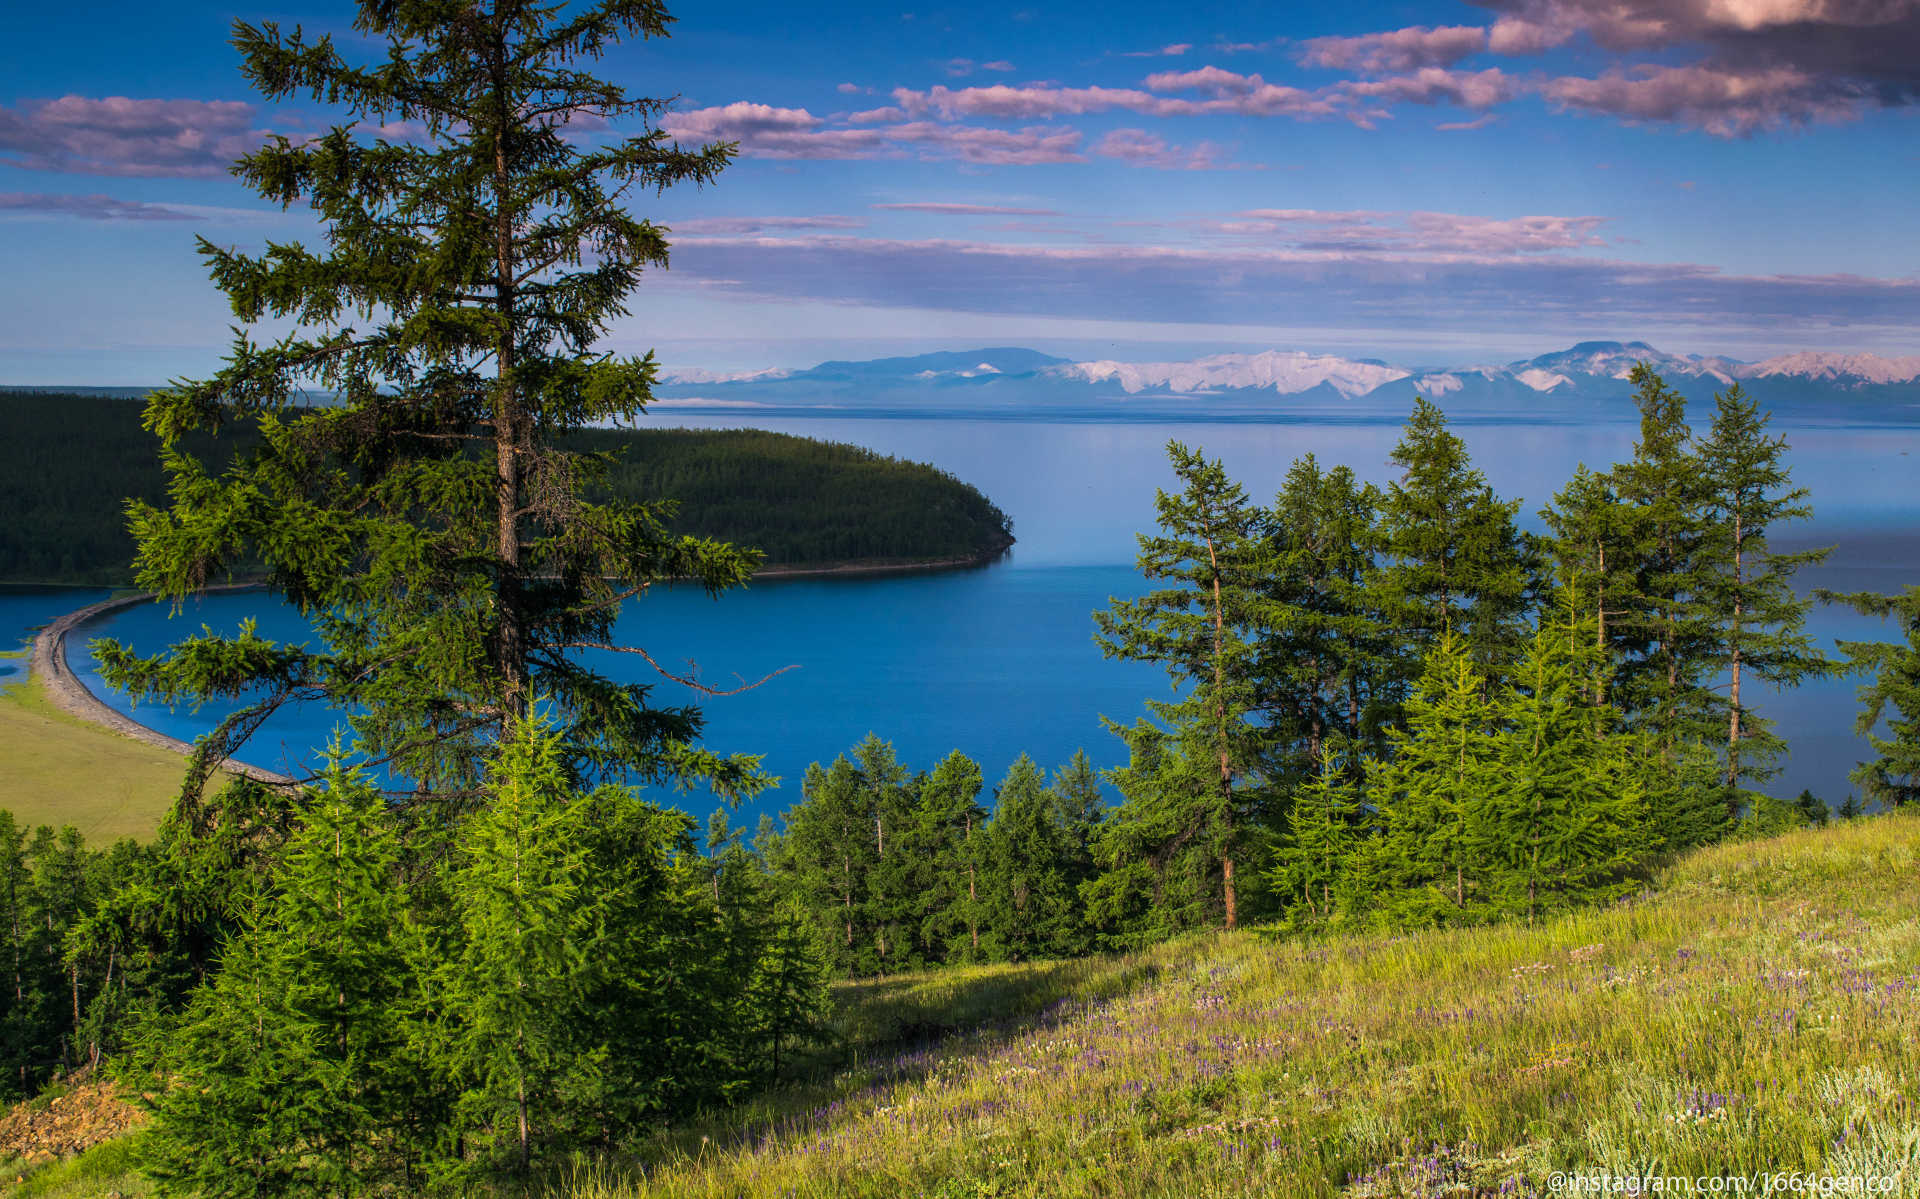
1758 623
1197 630
1423 867
1564 819
948 850
425 516
1031 907
294 1070
1327 661
1893 694
1312 862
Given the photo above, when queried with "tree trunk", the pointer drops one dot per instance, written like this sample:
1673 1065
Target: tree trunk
1226 879
510 653
1733 693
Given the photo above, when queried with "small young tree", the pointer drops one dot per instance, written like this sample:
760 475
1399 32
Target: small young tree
1423 868
293 1071
1312 861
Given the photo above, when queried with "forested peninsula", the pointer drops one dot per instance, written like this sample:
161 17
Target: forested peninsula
69 462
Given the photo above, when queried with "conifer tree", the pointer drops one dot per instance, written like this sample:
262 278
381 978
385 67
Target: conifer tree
427 518
517 971
1423 868
787 998
1758 623
1564 819
1893 694
1081 809
1312 861
1456 562
948 850
1327 662
293 1070
1197 630
1030 905
829 853
1597 541
1665 643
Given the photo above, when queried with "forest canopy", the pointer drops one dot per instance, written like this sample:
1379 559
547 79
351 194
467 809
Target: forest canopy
69 463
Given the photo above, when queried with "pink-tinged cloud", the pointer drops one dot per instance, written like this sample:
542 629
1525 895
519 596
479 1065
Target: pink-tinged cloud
959 66
1726 103
999 64
1251 96
1139 148
990 147
115 135
92 208
1867 47
952 209
765 131
730 225
850 89
1204 79
1480 122
1436 85
1171 50
874 116
1397 50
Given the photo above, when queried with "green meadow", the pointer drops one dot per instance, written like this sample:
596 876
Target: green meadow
1753 1013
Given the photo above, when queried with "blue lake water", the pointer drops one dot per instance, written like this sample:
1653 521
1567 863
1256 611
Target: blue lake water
1000 660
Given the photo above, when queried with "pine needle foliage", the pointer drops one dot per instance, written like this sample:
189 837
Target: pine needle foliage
428 520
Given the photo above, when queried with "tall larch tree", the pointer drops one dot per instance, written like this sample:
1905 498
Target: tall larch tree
1758 622
1661 679
1195 626
420 508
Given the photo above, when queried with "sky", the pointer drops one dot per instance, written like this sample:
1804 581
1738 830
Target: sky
1431 183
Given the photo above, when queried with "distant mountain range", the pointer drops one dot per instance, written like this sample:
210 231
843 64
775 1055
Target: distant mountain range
1008 379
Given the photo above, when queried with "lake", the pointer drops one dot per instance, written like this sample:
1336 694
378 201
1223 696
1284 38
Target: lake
1000 660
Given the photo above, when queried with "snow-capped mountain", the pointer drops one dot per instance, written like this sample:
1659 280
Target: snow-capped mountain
1011 380
1287 372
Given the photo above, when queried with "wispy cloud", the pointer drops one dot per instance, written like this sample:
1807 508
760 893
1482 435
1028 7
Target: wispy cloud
116 135
766 131
92 208
728 225
1137 147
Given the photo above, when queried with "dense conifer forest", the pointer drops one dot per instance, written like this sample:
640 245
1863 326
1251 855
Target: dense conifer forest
69 462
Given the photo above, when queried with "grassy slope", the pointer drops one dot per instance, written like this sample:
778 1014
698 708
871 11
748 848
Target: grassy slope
56 769
1757 1012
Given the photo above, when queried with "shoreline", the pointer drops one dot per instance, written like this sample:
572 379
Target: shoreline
47 660
48 663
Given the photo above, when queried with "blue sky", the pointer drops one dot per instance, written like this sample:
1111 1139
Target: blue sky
1436 183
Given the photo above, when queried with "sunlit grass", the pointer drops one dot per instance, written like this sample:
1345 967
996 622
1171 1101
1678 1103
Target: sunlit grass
1757 1012
56 769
